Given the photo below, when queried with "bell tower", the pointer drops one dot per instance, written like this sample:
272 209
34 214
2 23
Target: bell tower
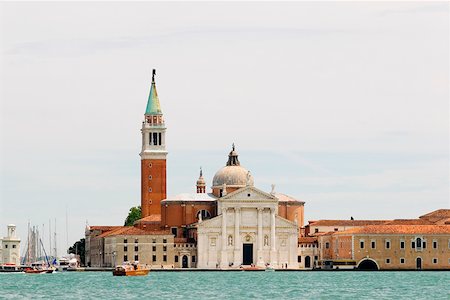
153 155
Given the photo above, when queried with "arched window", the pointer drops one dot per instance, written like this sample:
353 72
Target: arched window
205 214
419 243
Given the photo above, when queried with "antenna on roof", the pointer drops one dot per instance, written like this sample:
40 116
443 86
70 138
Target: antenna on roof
153 75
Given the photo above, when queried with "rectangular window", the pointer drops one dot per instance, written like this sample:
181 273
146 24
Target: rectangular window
164 241
136 248
164 248
155 138
193 258
402 260
361 244
6 246
373 244
125 258
316 230
125 248
413 245
159 139
150 138
125 241
336 229
388 244
424 245
327 245
164 257
402 244
136 258
14 246
153 241
435 260
316 257
299 259
434 245
174 231
388 260
176 258
154 248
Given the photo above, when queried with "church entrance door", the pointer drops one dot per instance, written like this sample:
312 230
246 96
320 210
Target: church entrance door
247 257
184 261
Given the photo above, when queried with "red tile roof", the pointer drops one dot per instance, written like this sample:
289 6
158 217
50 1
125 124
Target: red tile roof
307 240
397 229
131 230
409 222
348 222
440 213
151 218
103 228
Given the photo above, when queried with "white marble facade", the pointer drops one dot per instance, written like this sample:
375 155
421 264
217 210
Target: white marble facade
247 231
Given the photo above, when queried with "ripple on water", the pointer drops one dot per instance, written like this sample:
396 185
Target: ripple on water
228 285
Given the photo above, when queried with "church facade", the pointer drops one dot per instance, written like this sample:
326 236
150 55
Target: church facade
233 225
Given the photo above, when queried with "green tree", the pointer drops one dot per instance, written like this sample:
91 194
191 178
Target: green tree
79 248
133 215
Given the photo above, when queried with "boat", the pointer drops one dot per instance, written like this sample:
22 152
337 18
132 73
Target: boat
130 270
251 268
38 271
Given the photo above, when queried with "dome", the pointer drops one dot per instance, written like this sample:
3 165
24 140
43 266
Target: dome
233 175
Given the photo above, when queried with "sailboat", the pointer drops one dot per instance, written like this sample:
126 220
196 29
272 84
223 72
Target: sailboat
35 247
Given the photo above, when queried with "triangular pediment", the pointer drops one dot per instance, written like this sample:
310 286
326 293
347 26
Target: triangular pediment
213 222
249 193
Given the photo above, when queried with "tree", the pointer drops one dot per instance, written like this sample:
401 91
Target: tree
133 215
79 248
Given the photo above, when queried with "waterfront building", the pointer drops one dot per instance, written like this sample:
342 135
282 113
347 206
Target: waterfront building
235 224
10 247
238 224
384 247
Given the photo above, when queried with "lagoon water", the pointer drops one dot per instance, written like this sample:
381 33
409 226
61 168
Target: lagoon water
228 285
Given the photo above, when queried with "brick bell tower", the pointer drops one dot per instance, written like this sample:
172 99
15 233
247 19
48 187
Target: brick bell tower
153 156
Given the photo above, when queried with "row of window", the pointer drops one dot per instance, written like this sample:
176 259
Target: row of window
125 241
402 260
136 248
416 244
136 258
6 246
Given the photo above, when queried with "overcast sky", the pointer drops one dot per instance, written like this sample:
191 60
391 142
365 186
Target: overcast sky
342 105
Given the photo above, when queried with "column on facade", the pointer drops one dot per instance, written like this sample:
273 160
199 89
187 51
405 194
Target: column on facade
273 239
260 261
237 237
224 253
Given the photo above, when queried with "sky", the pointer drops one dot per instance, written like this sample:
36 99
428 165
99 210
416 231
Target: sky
344 105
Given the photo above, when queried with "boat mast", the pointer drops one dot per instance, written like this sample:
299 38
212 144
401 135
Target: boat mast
50 236
56 253
28 244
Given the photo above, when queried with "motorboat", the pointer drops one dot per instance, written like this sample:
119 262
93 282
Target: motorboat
130 270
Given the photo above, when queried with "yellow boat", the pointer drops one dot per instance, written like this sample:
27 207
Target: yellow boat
130 270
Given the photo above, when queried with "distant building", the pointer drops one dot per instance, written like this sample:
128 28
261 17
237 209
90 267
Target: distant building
10 247
236 224
396 244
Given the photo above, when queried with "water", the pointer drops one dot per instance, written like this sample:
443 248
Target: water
228 285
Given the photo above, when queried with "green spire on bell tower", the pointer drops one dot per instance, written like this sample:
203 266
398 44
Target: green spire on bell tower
153 105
